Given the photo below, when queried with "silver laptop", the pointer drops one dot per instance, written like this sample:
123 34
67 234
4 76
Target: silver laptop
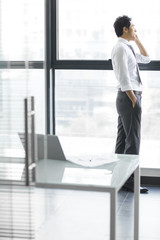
55 151
49 142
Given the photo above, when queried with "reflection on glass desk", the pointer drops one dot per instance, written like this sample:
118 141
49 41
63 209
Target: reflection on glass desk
94 175
111 173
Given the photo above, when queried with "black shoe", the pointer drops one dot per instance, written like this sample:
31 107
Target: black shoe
130 188
143 190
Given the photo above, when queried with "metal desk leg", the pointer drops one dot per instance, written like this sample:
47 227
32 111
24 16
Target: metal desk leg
113 210
136 203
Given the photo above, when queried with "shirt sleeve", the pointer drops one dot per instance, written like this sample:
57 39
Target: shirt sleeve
122 68
142 59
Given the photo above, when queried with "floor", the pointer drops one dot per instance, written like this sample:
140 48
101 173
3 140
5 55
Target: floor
48 214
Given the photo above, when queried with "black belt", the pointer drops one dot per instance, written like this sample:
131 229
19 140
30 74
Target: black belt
135 92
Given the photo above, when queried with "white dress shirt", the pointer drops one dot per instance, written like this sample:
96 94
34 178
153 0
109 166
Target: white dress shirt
124 64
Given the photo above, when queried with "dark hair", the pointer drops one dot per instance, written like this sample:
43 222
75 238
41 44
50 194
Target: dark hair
122 21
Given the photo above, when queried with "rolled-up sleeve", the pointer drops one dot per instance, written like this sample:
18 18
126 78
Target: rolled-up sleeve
142 59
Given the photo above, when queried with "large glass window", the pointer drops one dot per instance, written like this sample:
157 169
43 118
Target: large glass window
85 100
86 27
150 144
21 39
85 103
21 45
21 30
15 85
85 107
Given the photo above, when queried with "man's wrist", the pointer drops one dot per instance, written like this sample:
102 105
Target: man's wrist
134 102
132 97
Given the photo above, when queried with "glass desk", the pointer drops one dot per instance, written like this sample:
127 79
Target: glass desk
107 176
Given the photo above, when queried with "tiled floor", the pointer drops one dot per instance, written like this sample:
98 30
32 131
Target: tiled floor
48 214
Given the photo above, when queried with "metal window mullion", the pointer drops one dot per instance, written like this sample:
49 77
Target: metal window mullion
33 140
26 143
54 40
72 64
83 64
53 103
48 61
21 64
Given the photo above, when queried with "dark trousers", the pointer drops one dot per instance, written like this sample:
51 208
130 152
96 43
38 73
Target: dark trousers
129 124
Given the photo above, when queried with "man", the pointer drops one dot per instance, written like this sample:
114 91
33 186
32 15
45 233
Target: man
128 102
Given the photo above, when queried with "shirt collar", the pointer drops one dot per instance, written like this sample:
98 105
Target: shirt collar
120 39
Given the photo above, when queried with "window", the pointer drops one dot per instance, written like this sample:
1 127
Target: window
21 40
150 144
84 100
85 103
86 27
21 70
21 30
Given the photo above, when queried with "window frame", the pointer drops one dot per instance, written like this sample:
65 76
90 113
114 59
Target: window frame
55 64
52 63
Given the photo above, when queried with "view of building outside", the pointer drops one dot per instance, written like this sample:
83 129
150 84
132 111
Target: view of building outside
86 27
21 39
85 100
85 103
21 30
